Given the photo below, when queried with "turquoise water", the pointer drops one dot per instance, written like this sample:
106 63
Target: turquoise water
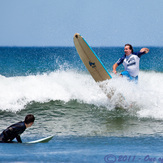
53 84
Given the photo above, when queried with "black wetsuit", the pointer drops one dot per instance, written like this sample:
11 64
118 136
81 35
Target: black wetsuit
12 132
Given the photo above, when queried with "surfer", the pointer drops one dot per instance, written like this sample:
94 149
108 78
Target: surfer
130 62
15 130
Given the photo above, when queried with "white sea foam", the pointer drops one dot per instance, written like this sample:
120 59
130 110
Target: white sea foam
146 96
17 92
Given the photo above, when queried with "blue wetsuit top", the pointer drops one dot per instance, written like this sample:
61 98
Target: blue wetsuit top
13 131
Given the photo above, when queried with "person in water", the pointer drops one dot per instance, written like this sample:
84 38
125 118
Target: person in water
130 62
15 130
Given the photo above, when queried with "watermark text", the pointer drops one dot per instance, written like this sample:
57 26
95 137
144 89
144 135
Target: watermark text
111 158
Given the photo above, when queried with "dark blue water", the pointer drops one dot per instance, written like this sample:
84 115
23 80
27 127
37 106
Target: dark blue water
24 61
53 84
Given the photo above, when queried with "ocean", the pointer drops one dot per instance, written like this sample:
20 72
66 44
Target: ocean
53 84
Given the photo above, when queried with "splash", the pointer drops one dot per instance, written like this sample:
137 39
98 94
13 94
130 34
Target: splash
144 97
17 92
66 85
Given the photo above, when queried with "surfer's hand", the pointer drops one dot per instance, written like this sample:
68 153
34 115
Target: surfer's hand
114 71
114 68
146 50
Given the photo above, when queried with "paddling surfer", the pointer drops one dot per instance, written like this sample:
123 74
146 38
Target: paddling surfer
15 130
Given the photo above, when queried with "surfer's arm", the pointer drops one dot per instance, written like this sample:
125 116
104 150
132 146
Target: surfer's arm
120 61
141 52
19 139
115 67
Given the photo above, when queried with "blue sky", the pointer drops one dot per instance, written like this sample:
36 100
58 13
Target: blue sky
100 22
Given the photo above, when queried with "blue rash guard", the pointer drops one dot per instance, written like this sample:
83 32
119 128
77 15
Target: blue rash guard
131 65
12 132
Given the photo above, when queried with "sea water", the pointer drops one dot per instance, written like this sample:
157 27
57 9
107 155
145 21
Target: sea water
53 84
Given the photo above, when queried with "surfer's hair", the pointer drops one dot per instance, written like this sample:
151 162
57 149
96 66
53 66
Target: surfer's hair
29 118
130 46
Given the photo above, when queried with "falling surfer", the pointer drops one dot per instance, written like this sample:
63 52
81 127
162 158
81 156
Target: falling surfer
130 61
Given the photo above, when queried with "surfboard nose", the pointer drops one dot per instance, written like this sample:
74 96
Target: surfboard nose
76 35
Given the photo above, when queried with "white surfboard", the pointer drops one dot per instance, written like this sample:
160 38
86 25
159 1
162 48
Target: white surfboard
90 59
43 140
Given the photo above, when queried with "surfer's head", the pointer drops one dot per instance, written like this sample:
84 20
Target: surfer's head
29 120
128 49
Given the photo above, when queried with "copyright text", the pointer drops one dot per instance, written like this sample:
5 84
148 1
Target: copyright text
110 158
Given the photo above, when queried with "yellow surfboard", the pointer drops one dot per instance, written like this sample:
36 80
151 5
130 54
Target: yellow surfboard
90 59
